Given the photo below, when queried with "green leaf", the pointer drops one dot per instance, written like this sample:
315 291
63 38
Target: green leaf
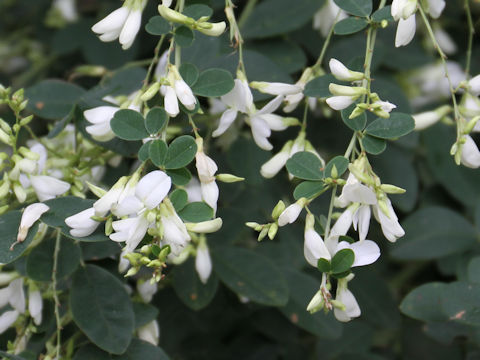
318 87
138 350
100 250
61 208
305 165
155 120
373 145
324 265
357 123
9 223
196 212
350 25
53 99
473 270
213 83
197 11
424 302
384 13
144 151
181 152
180 176
361 8
102 308
398 124
129 125
432 233
179 199
251 275
308 189
340 162
342 261
157 25
274 17
40 259
302 289
189 73
144 313
184 36
157 151
188 287
460 302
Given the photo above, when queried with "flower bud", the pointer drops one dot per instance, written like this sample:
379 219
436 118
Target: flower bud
228 178
275 88
173 16
428 118
278 209
291 213
151 92
316 303
341 72
215 29
342 90
392 189
31 214
272 231
205 227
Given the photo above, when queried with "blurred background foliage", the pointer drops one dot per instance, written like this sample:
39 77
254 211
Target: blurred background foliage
410 299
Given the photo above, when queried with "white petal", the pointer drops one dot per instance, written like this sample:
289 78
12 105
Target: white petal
113 21
146 290
275 122
153 188
48 187
35 306
100 114
7 319
339 70
31 214
363 215
470 153
339 102
271 106
314 248
185 94
240 97
435 8
17 295
359 193
261 132
150 332
274 165
228 117
342 224
129 206
290 214
170 101
203 263
474 84
210 194
366 252
130 29
405 31
81 223
352 309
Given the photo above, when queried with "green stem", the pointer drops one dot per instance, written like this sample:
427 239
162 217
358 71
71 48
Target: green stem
305 113
351 146
444 63
194 126
471 31
55 295
330 210
247 11
152 63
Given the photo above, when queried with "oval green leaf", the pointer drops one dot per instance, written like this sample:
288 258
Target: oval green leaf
189 73
318 87
308 189
350 25
424 302
342 261
157 152
129 125
432 233
181 152
213 83
361 8
250 275
340 162
157 25
398 124
373 145
102 309
305 165
184 36
196 212
155 120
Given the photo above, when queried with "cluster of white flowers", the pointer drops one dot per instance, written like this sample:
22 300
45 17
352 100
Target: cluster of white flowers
404 11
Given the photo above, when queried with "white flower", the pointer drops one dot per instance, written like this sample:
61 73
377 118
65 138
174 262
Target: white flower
386 105
205 227
185 94
35 306
48 187
341 72
7 319
276 88
291 213
324 18
31 214
81 223
131 231
403 9
100 117
470 153
390 226
150 332
176 90
277 162
104 204
146 289
67 9
474 85
153 188
405 31
240 99
340 102
123 23
445 41
313 248
345 296
194 190
14 295
206 169
174 231
366 252
203 263
435 8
